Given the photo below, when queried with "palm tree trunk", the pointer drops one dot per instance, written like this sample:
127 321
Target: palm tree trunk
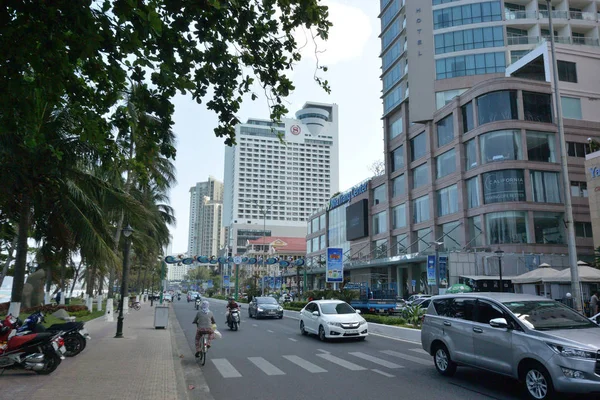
21 256
9 259
144 281
63 270
75 278
91 276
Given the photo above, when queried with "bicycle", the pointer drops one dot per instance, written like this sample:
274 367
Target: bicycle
136 305
203 349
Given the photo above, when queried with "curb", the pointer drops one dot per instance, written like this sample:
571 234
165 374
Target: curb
187 370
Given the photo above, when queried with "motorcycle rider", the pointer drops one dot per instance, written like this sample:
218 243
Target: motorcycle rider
231 305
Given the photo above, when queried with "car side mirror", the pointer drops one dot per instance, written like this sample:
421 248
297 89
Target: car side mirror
358 311
499 323
315 313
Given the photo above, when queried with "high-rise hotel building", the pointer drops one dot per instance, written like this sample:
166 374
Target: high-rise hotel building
206 236
470 139
278 174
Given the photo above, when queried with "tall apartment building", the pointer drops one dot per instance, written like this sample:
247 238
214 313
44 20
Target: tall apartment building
206 218
278 174
470 139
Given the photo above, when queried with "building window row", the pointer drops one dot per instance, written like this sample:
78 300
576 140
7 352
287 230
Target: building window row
467 14
472 64
469 39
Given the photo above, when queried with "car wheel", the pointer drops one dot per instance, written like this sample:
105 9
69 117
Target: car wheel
322 336
537 382
302 330
443 362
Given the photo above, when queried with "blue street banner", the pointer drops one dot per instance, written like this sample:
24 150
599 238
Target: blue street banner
209 283
443 265
334 269
278 282
226 281
431 270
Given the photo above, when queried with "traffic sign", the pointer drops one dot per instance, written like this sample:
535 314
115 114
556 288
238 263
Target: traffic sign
237 260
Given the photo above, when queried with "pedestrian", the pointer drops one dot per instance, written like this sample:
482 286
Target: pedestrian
204 321
58 297
594 303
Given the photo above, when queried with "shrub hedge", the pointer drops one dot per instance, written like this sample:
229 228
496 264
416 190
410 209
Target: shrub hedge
384 319
46 309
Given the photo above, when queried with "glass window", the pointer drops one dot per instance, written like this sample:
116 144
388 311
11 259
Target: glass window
379 194
380 222
537 107
418 147
506 227
421 209
315 244
472 64
571 107
392 99
445 130
470 154
445 97
541 146
579 189
399 188
452 236
467 117
389 14
396 126
400 245
322 243
309 228
447 200
309 246
380 248
497 106
545 187
475 228
420 176
500 146
567 71
583 229
389 35
503 186
473 192
549 227
487 312
546 315
315 225
575 149
392 77
391 55
467 14
398 158
424 238
446 163
322 223
399 216
337 308
469 39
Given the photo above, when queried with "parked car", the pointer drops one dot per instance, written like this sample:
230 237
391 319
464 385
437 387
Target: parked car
332 319
415 297
422 302
543 343
264 307
285 298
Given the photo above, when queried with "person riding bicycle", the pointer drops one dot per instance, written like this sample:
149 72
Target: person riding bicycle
204 320
231 305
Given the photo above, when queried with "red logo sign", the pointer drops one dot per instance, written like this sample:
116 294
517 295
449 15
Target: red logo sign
295 129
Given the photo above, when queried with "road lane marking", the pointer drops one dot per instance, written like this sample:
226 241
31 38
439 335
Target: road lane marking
292 339
341 362
302 363
323 351
418 360
254 325
375 360
268 330
421 351
393 338
383 373
225 368
266 366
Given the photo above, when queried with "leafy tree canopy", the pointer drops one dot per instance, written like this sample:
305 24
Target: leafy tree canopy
85 53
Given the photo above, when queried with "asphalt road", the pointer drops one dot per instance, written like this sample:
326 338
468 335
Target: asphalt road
270 359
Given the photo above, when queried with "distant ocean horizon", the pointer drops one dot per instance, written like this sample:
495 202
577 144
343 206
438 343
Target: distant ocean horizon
6 289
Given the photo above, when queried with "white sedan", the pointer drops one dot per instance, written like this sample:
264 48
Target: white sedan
332 319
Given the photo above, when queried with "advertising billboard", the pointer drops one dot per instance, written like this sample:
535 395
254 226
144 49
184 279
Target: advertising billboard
357 220
334 269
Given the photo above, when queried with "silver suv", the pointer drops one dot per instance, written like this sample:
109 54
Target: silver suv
543 343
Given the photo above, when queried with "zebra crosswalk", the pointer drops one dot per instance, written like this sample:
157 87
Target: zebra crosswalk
323 362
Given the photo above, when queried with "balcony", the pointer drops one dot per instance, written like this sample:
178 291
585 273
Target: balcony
517 14
584 16
555 14
515 40
586 41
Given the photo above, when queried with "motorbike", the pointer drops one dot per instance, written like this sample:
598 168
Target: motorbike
38 352
233 321
74 333
198 302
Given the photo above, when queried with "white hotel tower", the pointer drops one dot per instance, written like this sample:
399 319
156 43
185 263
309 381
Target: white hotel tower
279 174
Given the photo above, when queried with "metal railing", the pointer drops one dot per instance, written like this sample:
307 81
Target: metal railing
518 14
510 15
514 40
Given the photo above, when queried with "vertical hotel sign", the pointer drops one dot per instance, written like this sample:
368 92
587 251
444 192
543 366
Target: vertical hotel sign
592 174
421 63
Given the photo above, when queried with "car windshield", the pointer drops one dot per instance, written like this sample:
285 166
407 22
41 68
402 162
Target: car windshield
337 308
548 315
266 300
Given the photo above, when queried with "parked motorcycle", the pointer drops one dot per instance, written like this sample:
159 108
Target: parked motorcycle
233 321
74 333
38 352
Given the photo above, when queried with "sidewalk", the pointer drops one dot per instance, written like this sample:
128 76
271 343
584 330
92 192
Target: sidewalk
146 364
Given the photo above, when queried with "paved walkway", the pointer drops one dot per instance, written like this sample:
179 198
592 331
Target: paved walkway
146 364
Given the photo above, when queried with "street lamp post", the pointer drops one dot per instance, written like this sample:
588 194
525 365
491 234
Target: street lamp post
499 254
127 231
564 167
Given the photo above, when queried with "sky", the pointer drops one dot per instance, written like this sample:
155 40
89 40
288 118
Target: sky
352 57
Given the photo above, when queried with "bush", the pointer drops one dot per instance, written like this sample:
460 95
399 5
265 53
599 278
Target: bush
48 309
384 319
295 304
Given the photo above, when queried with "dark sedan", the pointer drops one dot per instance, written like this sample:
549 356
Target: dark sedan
265 307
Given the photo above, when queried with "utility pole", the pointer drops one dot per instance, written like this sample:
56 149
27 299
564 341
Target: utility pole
575 284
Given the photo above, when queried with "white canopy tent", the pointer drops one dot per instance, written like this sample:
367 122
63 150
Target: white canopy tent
537 275
586 274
